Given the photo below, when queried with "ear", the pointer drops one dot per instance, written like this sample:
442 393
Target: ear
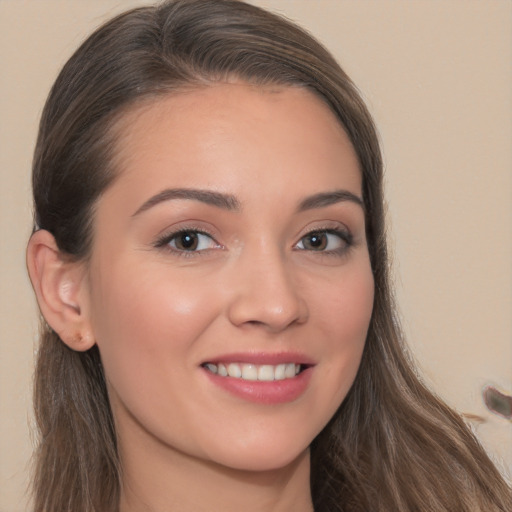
60 286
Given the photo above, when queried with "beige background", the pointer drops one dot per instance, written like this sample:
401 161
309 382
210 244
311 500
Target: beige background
436 74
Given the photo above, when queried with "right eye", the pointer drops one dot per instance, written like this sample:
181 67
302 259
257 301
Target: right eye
327 241
188 241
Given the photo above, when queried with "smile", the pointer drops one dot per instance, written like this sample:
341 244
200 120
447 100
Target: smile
255 372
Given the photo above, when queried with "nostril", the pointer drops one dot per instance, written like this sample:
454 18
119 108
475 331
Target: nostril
266 299
254 322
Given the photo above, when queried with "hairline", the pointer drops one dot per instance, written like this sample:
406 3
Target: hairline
114 124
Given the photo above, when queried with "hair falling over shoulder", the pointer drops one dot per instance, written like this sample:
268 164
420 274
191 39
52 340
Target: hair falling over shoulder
392 445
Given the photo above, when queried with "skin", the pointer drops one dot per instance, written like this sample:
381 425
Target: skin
255 285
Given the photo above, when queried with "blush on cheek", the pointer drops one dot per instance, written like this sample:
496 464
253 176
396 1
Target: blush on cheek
349 309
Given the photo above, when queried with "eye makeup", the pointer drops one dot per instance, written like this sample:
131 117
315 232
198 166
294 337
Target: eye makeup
326 241
187 241
190 241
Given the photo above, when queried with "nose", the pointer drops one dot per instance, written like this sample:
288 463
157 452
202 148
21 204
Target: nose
266 294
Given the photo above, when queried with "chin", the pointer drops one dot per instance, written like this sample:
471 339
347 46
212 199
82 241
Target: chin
262 459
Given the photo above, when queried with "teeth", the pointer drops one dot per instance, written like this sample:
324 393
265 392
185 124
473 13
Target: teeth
234 370
279 372
211 367
289 371
249 372
264 372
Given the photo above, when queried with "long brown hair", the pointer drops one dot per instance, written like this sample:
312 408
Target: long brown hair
392 445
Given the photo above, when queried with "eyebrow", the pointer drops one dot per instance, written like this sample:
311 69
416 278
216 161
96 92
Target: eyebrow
324 199
231 203
218 199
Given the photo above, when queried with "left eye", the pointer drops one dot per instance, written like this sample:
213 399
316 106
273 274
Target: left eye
326 241
191 241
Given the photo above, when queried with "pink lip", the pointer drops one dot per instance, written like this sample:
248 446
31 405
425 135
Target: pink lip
262 358
268 393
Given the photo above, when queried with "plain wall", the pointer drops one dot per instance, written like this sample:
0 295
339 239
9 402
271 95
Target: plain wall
437 76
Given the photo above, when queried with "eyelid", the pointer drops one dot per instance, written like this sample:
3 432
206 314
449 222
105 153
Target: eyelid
329 226
334 228
163 241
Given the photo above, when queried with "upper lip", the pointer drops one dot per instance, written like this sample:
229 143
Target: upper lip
272 358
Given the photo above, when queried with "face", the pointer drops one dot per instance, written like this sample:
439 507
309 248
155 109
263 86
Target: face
229 287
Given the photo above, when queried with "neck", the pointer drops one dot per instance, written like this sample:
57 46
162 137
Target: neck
179 482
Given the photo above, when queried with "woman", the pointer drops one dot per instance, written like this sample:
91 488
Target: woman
210 260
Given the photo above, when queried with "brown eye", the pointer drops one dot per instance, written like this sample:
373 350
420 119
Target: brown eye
189 241
315 241
327 241
186 241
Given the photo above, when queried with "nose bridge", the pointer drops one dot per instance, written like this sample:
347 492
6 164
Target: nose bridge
266 292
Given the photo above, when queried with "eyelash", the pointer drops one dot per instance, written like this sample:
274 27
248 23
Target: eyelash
164 242
344 235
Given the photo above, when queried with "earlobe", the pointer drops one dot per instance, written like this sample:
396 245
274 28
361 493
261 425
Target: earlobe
60 287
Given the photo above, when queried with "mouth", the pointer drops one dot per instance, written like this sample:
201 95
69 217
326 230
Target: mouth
255 372
261 377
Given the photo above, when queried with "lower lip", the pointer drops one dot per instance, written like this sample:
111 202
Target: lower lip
264 392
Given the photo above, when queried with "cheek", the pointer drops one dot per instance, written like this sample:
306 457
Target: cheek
343 320
346 306
148 321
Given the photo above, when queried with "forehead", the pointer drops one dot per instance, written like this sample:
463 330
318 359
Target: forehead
234 134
